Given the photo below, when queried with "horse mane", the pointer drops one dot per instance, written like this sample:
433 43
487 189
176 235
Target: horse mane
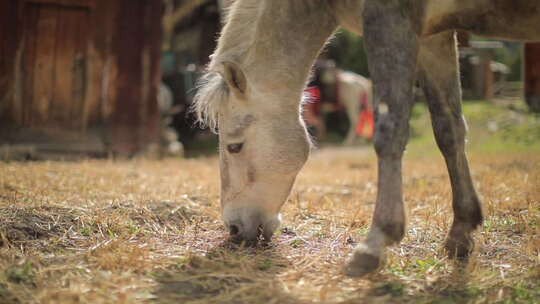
235 40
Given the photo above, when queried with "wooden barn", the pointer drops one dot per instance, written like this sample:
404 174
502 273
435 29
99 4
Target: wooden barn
79 76
532 76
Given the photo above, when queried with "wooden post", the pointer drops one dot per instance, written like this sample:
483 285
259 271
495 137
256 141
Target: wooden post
482 73
136 47
9 41
489 77
463 39
532 76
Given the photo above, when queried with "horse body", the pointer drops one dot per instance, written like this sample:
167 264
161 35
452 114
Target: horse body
339 88
258 73
352 88
497 19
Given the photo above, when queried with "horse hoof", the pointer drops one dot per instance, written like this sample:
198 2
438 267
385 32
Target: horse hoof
362 263
459 248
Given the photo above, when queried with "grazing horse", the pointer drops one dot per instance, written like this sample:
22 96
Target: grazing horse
354 92
256 78
345 88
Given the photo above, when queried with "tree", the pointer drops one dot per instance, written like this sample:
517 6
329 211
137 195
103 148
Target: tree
174 13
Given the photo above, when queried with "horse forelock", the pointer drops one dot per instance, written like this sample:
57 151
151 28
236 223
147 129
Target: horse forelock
211 93
236 37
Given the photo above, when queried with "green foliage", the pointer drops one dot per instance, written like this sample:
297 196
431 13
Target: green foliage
427 265
511 56
265 264
347 49
516 67
296 243
86 231
394 289
526 293
134 229
363 231
24 273
491 128
319 234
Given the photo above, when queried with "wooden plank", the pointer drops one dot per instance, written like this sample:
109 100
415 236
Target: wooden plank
10 42
67 3
532 76
94 74
489 79
66 104
31 16
44 63
101 69
81 68
463 39
135 119
61 102
128 44
153 36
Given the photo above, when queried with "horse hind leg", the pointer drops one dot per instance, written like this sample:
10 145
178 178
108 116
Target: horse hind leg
442 88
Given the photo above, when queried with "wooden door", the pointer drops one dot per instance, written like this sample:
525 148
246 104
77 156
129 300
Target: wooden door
54 66
532 76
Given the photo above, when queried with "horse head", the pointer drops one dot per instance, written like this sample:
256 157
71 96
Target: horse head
263 145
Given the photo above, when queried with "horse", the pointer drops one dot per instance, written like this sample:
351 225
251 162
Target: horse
254 84
341 90
355 93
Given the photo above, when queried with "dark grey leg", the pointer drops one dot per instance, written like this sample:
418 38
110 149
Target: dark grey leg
392 48
439 77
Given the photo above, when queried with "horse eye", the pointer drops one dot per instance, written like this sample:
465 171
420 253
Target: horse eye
235 148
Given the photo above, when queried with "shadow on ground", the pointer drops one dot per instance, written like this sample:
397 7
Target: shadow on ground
227 273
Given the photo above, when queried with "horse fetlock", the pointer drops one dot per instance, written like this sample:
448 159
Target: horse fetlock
365 260
393 233
470 218
459 243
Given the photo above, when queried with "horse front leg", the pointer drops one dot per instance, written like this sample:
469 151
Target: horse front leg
442 89
392 46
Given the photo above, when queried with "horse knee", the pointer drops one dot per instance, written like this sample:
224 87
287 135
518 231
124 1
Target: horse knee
449 133
391 135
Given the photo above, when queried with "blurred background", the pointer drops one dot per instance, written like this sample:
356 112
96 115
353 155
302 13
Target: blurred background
115 78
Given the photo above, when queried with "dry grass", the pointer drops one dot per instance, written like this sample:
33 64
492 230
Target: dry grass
150 231
127 232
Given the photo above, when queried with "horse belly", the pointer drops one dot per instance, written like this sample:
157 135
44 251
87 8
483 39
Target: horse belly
511 24
502 19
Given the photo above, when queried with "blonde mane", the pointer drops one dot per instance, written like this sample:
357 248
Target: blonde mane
237 36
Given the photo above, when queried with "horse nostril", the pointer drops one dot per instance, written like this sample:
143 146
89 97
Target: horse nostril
234 230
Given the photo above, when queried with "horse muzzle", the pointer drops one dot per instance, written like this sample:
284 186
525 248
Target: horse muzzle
250 225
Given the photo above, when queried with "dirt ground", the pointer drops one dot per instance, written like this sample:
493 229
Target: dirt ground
150 232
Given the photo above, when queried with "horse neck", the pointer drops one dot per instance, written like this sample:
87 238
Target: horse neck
288 36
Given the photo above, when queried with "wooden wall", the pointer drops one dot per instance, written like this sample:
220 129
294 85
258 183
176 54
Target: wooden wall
137 44
532 76
9 39
79 66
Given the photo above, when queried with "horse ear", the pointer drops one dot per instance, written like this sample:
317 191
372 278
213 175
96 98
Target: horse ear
235 78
